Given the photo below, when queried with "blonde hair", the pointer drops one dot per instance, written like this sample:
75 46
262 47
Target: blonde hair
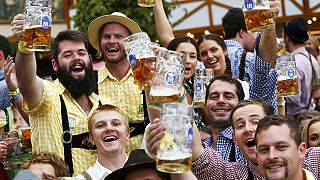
107 107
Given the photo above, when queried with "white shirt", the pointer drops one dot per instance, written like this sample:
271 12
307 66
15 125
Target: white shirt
98 172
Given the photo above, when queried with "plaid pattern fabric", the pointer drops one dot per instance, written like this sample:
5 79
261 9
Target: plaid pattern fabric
4 91
126 95
258 73
46 125
224 145
210 166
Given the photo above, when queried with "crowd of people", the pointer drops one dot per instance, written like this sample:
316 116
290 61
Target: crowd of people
96 124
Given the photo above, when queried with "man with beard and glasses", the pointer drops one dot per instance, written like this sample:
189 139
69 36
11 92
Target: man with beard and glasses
115 79
58 110
207 163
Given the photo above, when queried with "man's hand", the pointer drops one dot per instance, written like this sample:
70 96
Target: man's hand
9 74
275 6
17 26
156 132
3 150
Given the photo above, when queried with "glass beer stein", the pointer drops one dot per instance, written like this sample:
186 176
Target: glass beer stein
141 58
175 152
257 14
37 27
167 80
287 84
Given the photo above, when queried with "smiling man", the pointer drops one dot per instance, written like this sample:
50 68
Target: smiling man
115 79
109 132
58 110
280 148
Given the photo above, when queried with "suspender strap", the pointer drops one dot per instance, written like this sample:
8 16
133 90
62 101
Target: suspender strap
232 155
242 65
250 174
95 75
145 110
313 79
66 136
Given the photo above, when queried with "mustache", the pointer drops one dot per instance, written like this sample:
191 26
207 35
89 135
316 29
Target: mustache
275 162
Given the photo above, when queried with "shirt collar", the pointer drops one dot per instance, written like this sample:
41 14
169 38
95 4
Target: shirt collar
231 42
103 73
227 132
60 87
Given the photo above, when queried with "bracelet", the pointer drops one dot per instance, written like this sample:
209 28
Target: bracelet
23 49
16 97
14 93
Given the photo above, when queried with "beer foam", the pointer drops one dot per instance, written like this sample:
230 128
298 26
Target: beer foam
163 92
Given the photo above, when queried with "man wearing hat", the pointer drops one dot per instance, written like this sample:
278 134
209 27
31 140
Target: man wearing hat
295 34
115 80
141 166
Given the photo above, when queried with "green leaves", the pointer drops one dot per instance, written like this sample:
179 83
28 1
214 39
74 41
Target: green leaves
88 10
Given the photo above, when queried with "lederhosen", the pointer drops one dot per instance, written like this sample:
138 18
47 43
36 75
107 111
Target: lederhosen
72 141
135 128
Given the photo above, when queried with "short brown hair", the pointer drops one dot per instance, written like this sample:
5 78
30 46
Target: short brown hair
106 107
267 108
60 167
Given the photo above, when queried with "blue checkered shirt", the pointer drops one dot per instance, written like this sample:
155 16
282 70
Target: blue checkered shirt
261 78
4 91
224 145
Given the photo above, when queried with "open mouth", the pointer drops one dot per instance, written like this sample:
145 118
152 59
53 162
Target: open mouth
187 69
113 50
220 110
213 62
77 67
251 143
110 138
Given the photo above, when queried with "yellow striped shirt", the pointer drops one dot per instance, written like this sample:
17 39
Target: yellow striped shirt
126 95
46 125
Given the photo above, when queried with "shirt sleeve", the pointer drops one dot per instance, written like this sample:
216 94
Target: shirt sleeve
211 166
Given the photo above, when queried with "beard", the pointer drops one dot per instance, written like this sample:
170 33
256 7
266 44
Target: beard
77 87
221 124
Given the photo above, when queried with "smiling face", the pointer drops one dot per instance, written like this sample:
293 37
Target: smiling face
112 40
278 155
222 99
74 58
314 135
213 56
191 53
245 121
109 132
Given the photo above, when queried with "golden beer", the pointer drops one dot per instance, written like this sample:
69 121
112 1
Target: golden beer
287 87
176 165
157 98
258 19
146 3
26 139
37 38
141 72
199 104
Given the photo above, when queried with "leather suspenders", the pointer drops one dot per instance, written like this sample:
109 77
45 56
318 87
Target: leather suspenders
67 136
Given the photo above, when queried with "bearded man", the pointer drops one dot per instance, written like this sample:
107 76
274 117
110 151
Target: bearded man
58 110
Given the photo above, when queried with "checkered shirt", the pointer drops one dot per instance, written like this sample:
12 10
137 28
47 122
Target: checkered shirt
224 145
4 92
46 125
258 73
127 96
210 166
